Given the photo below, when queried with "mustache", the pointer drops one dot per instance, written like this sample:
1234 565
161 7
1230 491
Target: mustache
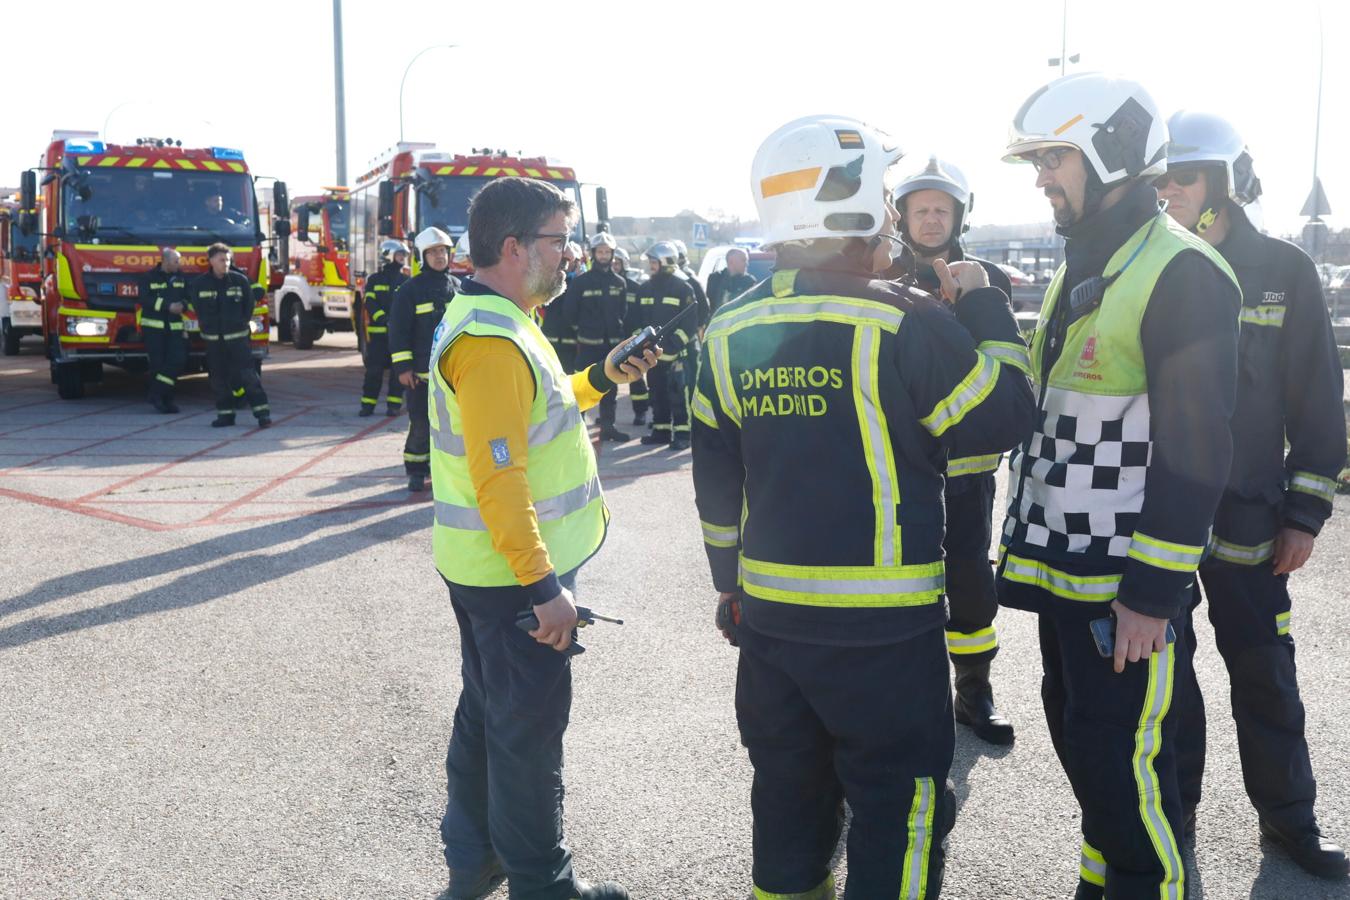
1055 192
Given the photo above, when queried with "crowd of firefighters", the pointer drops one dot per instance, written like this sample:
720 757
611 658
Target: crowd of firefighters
1175 422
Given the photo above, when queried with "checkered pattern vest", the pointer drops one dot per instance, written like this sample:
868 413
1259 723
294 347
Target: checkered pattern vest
560 464
1083 470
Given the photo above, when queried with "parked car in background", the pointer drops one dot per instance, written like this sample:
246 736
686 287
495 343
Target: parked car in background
1016 275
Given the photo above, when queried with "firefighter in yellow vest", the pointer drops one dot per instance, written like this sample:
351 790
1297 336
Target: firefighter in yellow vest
1111 497
518 510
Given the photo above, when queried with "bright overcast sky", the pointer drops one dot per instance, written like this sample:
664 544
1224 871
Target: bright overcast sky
665 104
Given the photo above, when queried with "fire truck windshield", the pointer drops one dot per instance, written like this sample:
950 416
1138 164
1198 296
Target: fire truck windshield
339 222
120 205
444 202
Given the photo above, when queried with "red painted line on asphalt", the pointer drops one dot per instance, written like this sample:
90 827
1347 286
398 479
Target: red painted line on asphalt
252 495
135 478
322 504
417 500
25 405
67 506
52 456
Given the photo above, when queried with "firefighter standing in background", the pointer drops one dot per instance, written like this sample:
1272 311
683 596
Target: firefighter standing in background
595 307
933 204
1276 501
556 323
162 304
727 284
418 306
222 299
826 405
660 299
637 389
694 350
379 295
1113 494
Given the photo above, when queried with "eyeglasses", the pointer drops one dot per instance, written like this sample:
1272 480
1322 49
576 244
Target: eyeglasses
561 239
1047 159
1182 178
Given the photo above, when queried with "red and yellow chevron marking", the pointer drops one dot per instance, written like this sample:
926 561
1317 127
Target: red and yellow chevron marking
147 162
498 171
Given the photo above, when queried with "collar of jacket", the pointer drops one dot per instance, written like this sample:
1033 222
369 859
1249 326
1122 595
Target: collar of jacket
1089 244
1244 247
430 274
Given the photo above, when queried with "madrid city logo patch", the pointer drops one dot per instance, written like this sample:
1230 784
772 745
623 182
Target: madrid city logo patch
501 453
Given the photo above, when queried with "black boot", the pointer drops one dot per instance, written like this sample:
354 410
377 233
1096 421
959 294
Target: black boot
367 409
480 886
606 890
1314 854
417 483
640 418
679 442
610 433
656 438
975 704
223 420
392 409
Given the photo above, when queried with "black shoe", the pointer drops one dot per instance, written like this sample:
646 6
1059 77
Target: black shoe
264 421
656 438
169 407
606 890
481 886
678 444
975 705
157 404
639 419
392 410
610 433
367 410
222 421
417 483
1314 854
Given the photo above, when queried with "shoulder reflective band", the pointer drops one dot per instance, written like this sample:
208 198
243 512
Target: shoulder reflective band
1283 621
1164 554
1088 588
1240 554
424 308
467 518
671 301
1015 355
1308 483
720 535
973 465
960 643
967 395
702 409
777 311
401 356
1263 315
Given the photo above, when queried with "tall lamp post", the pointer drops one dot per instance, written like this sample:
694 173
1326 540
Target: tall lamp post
1063 57
404 80
339 94
1317 205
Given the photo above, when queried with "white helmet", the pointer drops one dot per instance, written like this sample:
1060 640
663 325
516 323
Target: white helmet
664 253
937 176
1112 121
433 237
602 239
822 177
1203 139
620 253
389 248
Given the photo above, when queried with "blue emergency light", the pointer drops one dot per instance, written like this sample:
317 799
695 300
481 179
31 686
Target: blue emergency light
84 147
226 153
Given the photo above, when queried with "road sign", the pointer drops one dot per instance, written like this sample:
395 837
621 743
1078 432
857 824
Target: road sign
700 234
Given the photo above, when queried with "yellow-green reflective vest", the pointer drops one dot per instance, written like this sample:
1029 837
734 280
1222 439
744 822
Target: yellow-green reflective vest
1085 465
560 466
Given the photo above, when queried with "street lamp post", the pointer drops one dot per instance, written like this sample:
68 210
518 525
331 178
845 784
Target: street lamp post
340 94
404 80
1317 204
1063 57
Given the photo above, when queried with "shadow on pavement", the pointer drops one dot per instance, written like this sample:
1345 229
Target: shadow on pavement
209 584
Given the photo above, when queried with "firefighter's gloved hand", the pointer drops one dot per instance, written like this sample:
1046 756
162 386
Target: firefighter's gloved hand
729 615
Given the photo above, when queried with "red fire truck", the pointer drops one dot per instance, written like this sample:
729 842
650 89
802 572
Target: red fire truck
413 186
20 280
316 294
106 212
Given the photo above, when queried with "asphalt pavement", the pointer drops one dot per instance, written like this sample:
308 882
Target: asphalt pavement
228 669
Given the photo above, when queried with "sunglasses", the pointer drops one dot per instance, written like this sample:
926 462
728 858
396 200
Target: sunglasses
1183 178
1047 159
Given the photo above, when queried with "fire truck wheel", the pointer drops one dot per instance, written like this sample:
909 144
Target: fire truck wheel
11 338
302 328
69 381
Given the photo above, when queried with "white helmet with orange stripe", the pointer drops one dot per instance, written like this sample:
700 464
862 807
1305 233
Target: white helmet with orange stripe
823 177
1113 121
